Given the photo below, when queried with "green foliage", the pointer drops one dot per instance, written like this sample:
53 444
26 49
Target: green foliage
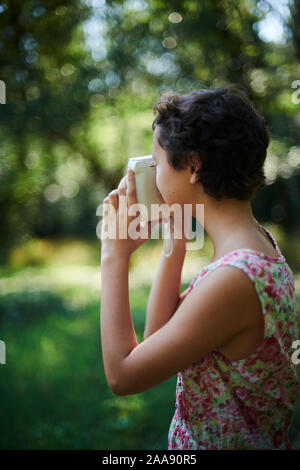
54 369
53 384
44 65
74 115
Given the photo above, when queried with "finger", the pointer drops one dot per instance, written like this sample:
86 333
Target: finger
131 188
122 188
145 231
113 198
153 222
123 200
123 209
123 183
104 209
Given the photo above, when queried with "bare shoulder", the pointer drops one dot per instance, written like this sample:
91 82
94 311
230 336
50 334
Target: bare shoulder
221 306
232 288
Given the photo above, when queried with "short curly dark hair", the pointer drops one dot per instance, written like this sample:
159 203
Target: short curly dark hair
226 133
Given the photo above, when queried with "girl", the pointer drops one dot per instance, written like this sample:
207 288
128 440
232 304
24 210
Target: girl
230 335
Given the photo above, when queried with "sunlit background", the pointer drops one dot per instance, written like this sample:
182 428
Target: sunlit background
81 80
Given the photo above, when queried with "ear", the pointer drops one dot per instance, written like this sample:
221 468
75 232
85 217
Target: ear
195 165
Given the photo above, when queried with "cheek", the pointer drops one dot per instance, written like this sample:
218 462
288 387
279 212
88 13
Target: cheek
166 184
162 180
158 179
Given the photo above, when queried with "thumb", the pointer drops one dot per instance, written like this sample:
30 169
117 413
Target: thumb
154 222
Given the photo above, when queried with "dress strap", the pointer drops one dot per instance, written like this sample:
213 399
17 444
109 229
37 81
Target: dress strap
274 242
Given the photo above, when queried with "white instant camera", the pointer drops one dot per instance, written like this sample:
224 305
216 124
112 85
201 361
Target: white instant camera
146 189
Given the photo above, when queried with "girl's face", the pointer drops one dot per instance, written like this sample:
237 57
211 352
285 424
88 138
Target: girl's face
174 186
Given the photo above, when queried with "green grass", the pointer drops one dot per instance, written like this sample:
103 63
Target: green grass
53 389
54 393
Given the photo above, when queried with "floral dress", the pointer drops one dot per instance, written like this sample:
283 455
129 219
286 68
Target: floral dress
248 403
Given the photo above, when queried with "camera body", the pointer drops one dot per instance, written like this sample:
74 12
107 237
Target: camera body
145 179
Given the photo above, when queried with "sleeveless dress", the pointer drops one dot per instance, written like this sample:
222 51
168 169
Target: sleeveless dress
248 403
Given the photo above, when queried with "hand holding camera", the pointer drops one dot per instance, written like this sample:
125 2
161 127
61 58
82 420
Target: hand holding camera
148 196
140 189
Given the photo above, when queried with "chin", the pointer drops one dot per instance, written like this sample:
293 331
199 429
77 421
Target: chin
168 200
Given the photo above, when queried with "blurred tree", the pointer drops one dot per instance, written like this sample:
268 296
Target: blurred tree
46 70
187 44
72 114
294 24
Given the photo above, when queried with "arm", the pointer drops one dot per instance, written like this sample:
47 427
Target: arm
202 323
165 297
118 335
165 291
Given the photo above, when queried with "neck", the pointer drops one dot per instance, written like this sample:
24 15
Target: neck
227 222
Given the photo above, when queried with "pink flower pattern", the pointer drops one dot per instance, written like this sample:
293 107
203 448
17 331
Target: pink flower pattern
249 403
